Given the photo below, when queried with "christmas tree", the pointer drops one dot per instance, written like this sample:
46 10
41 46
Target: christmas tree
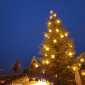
58 51
34 65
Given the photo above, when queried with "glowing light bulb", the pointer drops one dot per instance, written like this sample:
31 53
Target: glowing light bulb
70 53
47 48
45 54
47 62
54 40
52 56
57 30
49 23
51 12
79 64
44 46
68 66
50 17
82 59
58 21
62 36
36 65
54 15
50 30
66 34
46 35
74 68
83 73
71 46
43 62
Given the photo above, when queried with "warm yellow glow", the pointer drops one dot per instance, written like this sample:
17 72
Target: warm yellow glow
42 83
49 23
50 30
51 11
56 75
83 73
79 64
50 17
82 59
74 68
46 35
45 54
71 46
36 65
52 56
57 30
43 62
68 66
54 15
62 36
44 46
58 21
70 53
47 62
47 48
54 40
43 71
66 34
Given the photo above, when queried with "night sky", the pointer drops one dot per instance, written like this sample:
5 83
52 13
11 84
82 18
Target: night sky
22 23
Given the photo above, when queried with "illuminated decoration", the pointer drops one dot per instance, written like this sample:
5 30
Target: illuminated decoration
45 54
74 67
83 73
68 66
61 49
36 65
52 56
62 36
51 12
47 62
44 46
57 30
47 48
82 59
50 30
70 54
49 23
46 35
58 21
33 82
43 62
71 46
41 83
66 34
54 15
54 40
79 64
50 17
56 75
43 71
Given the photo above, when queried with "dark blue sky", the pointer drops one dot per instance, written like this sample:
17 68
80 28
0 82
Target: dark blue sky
22 23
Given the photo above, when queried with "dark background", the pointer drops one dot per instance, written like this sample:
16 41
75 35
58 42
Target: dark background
22 23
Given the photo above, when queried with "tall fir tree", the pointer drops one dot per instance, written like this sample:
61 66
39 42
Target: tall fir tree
58 51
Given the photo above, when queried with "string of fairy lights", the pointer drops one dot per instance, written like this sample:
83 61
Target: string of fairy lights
62 36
